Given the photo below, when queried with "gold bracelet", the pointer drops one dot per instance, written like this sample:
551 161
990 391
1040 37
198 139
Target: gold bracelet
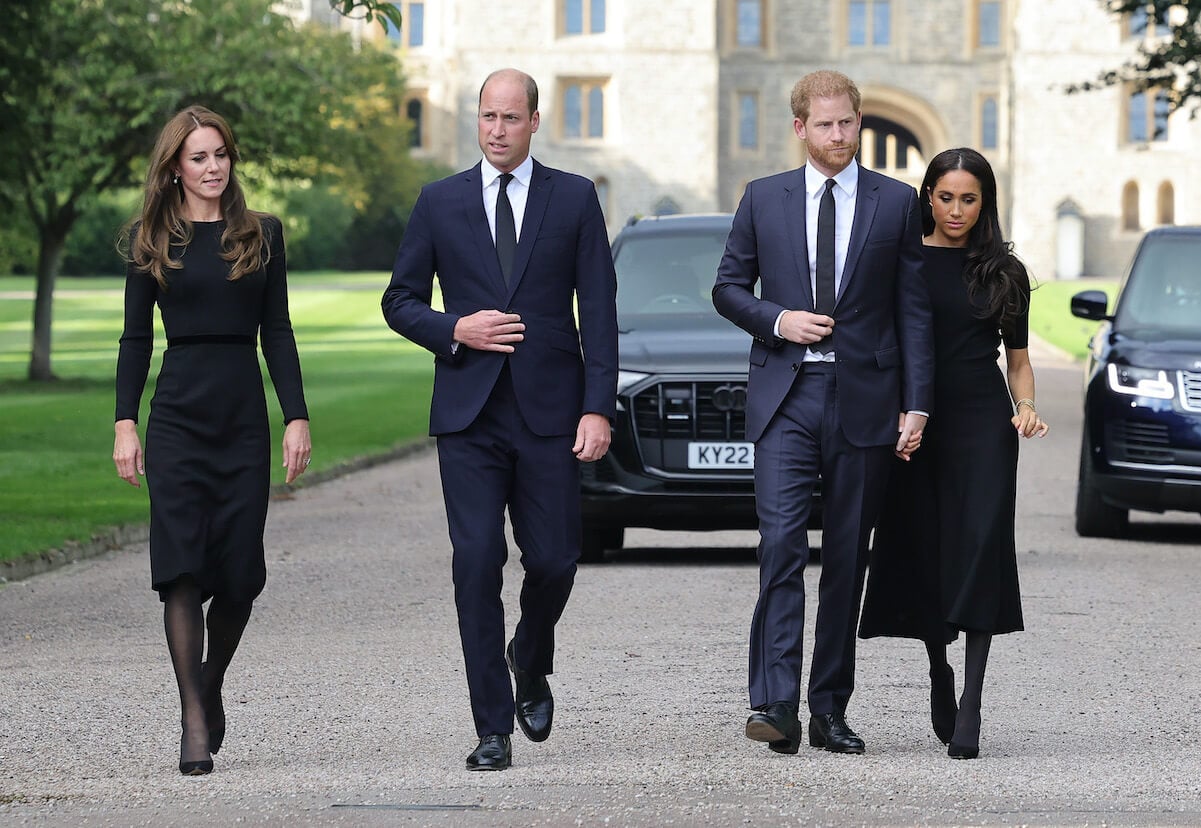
1028 402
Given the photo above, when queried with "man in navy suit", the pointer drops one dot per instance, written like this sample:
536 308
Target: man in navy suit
841 372
521 396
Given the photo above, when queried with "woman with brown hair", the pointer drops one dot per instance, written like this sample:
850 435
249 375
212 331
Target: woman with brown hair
217 272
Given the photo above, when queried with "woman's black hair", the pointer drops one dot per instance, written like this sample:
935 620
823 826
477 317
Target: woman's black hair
996 279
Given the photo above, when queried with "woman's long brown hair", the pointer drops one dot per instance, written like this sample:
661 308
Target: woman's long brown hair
163 222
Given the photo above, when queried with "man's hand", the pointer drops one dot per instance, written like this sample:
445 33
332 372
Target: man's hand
490 330
804 327
592 438
911 427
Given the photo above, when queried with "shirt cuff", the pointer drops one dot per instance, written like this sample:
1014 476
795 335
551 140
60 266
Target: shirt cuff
776 328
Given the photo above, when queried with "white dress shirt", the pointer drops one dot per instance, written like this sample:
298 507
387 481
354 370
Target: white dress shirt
518 192
846 185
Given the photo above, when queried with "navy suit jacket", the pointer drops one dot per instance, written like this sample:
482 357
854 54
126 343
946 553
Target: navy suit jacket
562 258
882 338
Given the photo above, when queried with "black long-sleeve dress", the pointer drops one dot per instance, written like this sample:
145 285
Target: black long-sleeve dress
208 450
943 558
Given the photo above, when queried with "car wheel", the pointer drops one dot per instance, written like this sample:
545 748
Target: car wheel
1094 517
597 539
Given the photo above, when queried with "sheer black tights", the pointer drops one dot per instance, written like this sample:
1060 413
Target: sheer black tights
958 725
200 682
967 723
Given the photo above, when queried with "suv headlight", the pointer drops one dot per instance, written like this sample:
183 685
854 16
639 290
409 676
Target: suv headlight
625 379
1142 382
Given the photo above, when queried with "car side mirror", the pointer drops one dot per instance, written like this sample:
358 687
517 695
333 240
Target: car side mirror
1090 304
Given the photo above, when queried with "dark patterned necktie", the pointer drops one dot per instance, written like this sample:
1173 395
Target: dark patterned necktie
823 301
506 229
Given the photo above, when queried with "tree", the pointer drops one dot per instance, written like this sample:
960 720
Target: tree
87 84
382 11
1171 63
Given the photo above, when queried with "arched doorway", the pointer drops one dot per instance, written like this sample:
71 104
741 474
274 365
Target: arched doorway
890 148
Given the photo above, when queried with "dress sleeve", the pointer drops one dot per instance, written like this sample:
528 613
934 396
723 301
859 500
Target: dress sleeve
137 341
275 330
1016 335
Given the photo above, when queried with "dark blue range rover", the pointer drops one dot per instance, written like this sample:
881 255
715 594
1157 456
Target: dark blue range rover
1142 408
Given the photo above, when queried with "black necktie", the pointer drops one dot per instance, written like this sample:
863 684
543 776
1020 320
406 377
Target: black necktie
506 229
823 302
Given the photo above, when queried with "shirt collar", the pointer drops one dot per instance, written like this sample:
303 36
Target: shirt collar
523 173
847 180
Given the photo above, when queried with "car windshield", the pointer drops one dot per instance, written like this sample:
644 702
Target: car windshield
669 274
1163 290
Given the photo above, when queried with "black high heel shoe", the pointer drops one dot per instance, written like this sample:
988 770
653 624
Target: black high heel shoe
965 744
196 767
963 751
214 716
942 702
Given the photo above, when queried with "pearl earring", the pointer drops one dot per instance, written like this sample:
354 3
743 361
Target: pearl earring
175 180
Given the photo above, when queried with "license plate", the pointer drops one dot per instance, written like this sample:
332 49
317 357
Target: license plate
721 455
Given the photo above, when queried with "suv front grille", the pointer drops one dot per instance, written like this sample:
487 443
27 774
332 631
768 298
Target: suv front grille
692 411
1135 442
1190 390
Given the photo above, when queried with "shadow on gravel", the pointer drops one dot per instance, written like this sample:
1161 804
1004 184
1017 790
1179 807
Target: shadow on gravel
1183 532
688 556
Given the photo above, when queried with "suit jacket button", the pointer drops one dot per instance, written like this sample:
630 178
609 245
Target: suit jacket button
795 367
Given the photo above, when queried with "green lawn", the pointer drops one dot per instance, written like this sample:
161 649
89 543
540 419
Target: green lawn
367 389
368 392
1051 318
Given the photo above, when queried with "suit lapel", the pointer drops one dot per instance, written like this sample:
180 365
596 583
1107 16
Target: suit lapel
477 222
541 184
795 208
866 202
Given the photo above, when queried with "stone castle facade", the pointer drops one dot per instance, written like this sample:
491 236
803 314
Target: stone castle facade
673 105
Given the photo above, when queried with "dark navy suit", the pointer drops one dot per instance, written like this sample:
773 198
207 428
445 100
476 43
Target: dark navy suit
834 421
506 423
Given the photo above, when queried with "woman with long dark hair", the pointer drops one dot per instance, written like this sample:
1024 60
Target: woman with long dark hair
944 559
217 272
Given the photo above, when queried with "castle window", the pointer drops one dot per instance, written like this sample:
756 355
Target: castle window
988 23
582 16
1130 206
582 114
1165 212
1138 24
1147 116
869 22
415 112
748 24
988 123
748 120
412 24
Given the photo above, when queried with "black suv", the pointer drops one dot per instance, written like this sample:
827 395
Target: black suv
679 457
1142 405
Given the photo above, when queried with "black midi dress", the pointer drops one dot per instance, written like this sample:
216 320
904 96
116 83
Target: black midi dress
208 441
943 558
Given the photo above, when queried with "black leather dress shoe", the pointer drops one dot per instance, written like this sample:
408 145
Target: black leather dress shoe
535 704
778 725
494 752
831 731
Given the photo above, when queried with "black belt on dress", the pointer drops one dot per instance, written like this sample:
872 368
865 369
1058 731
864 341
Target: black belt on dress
210 339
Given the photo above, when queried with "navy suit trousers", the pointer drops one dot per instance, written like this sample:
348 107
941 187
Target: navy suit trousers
494 463
803 442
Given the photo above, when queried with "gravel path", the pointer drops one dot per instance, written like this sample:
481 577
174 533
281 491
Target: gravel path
347 702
